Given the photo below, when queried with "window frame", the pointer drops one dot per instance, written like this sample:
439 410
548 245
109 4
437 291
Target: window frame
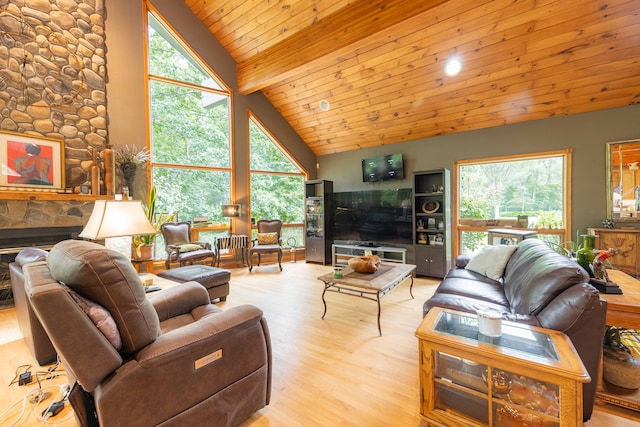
564 233
224 91
251 117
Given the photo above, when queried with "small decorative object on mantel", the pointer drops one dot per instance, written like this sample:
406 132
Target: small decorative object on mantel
109 171
601 279
365 264
95 174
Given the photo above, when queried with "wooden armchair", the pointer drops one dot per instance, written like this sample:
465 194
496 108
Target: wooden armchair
268 241
180 248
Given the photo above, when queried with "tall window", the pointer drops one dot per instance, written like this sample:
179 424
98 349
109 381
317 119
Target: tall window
190 129
529 191
277 183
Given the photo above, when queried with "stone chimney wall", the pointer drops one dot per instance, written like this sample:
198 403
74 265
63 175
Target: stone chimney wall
52 84
37 214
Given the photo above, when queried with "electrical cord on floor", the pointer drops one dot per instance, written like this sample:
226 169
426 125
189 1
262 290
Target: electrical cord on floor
43 409
32 396
22 378
54 408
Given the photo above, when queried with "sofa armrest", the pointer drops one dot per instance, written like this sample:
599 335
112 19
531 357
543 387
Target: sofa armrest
179 299
580 313
462 261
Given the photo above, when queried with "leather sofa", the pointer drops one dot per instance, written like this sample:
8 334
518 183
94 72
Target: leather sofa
169 358
35 337
538 287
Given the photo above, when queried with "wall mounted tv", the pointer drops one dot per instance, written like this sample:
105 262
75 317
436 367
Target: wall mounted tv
374 216
383 168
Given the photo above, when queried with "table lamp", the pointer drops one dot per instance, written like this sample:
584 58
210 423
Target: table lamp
231 211
116 221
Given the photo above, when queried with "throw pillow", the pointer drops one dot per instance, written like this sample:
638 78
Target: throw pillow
268 238
189 247
100 317
491 260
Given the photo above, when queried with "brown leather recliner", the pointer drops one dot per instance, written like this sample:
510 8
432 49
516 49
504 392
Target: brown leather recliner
169 358
35 337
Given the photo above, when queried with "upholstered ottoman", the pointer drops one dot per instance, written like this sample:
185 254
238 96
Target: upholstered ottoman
216 280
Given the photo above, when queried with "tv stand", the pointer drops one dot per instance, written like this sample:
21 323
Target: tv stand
367 245
340 253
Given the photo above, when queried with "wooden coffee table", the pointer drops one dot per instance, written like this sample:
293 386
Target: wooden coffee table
374 286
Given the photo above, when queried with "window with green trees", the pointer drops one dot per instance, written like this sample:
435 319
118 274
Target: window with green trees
528 191
277 183
190 129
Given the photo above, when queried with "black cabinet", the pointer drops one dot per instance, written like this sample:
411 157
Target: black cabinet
432 222
317 221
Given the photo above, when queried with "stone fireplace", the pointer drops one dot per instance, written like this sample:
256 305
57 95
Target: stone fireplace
35 223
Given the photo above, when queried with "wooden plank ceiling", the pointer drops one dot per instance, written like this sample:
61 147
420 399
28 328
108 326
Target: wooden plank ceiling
380 63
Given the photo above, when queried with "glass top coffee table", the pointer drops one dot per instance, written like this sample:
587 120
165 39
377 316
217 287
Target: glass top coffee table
373 286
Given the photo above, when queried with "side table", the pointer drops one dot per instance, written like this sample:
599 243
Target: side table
527 376
236 241
143 266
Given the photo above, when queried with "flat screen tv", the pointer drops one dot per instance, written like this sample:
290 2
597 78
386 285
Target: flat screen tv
383 168
373 216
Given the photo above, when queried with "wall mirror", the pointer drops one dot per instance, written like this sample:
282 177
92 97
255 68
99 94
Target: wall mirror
623 175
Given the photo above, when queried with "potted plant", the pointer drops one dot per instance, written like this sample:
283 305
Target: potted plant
621 357
144 244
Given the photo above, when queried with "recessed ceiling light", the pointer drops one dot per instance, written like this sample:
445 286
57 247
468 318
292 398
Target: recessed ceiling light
324 105
453 66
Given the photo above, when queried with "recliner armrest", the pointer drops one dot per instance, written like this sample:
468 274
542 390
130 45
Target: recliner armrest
203 331
179 299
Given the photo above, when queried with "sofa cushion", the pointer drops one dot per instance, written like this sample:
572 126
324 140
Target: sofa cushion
491 260
108 278
536 274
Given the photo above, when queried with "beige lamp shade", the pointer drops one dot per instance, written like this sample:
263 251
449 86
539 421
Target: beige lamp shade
117 218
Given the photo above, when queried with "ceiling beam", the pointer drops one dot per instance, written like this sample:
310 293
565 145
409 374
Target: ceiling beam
338 30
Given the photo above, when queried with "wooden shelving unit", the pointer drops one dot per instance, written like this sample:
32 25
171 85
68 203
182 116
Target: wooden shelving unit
432 222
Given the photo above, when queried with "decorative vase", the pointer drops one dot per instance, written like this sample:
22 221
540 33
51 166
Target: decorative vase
109 172
129 172
585 255
620 368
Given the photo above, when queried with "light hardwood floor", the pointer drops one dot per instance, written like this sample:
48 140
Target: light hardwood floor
331 372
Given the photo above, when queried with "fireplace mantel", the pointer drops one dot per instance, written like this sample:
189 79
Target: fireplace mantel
48 196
